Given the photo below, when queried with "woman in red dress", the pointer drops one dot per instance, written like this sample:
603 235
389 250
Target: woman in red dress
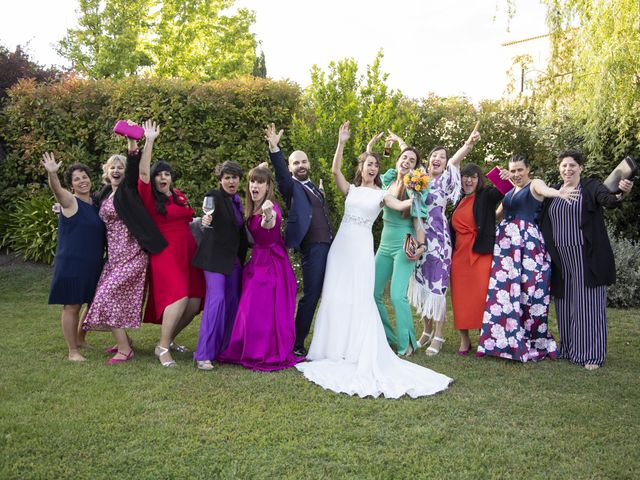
176 288
473 234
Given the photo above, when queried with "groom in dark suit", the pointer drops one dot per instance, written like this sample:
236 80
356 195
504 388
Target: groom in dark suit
308 228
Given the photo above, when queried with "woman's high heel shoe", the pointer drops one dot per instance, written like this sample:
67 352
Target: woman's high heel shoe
464 353
431 350
160 351
424 334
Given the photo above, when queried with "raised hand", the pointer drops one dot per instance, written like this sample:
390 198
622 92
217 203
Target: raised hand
373 141
151 130
475 135
504 173
344 133
272 136
49 163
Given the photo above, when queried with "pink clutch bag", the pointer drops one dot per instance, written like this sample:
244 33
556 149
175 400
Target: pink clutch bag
503 185
123 128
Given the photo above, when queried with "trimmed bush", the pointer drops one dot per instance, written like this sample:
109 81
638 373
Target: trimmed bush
625 293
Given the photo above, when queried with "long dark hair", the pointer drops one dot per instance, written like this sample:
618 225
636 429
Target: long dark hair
362 158
160 198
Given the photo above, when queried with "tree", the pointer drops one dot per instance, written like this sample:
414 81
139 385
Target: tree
16 65
190 39
111 39
260 66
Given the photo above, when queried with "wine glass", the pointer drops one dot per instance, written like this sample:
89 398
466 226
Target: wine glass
208 207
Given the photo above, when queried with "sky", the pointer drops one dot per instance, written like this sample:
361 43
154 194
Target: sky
446 47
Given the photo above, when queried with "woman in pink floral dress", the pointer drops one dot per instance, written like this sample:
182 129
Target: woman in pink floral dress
117 304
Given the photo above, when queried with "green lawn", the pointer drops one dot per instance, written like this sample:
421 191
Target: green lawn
137 420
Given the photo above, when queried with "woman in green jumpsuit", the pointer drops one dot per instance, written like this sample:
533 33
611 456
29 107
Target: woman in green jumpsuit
391 260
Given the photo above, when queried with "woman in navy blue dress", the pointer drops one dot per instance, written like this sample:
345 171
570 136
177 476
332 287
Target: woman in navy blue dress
81 238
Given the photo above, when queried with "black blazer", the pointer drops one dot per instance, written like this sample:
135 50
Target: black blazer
484 213
130 208
224 241
597 255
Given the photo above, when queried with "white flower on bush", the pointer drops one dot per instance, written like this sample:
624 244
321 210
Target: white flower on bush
529 263
503 297
489 344
501 342
495 309
512 324
497 331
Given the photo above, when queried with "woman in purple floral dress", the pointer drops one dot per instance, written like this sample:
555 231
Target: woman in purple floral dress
514 324
428 286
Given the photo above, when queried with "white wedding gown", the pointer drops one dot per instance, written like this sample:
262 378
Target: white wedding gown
349 351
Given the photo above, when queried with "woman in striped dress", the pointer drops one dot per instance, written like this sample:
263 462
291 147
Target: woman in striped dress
582 261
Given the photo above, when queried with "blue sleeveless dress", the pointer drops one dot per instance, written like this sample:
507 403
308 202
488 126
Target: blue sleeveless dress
79 255
514 324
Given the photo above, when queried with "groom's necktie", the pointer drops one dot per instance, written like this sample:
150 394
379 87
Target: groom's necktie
314 189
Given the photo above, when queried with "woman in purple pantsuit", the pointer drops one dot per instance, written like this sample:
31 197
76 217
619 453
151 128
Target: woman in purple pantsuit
264 329
221 254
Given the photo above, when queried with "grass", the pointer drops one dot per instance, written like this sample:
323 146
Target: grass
498 420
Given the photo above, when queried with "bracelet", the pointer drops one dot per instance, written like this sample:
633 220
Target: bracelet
268 220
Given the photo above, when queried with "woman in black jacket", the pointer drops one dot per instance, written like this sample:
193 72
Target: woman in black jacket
582 261
221 254
473 233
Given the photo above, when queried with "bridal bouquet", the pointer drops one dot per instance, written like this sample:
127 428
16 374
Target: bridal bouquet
417 181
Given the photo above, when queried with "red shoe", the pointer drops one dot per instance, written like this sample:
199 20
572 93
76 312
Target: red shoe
127 357
114 349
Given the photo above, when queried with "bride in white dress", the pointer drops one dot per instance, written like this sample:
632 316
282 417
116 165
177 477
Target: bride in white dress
349 352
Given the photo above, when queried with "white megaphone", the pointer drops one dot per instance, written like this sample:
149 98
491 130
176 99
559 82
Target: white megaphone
627 169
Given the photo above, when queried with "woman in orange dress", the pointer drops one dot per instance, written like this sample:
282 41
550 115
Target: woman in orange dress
473 234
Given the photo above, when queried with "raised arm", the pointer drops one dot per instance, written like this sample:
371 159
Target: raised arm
151 132
395 138
68 203
373 141
268 215
338 177
540 190
463 151
283 176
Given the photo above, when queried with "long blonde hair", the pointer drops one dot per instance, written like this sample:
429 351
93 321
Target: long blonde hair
105 166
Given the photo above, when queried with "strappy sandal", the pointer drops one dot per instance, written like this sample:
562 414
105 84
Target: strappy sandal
205 365
432 351
175 347
424 334
160 351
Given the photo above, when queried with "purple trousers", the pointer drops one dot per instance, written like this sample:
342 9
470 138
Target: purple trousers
220 307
